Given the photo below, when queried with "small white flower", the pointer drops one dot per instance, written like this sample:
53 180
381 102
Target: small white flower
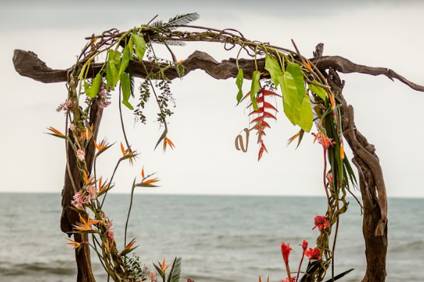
80 155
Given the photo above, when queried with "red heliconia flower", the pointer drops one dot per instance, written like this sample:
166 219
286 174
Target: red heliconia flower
321 222
313 253
285 251
304 245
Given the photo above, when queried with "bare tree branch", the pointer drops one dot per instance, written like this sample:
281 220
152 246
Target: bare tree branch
28 64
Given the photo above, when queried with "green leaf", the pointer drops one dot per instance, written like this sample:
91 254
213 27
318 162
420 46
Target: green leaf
175 272
126 56
350 171
293 83
274 69
126 90
254 88
92 90
319 91
161 273
239 83
297 106
112 65
140 46
180 69
299 114
305 115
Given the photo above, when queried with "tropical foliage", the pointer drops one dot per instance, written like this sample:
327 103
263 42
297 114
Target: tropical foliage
291 84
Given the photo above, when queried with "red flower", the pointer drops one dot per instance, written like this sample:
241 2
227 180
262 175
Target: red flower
323 139
314 253
289 279
321 222
304 245
285 250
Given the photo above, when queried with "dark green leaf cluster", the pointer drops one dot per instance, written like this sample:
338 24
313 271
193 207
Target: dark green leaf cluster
142 101
137 272
165 100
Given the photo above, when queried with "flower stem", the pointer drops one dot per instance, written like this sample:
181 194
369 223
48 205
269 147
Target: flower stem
129 212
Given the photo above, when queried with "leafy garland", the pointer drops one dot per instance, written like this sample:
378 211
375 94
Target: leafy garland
306 100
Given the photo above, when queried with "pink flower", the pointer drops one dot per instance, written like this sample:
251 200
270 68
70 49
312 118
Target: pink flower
285 251
103 97
109 231
65 106
314 253
321 222
304 245
92 192
153 276
330 177
80 155
79 200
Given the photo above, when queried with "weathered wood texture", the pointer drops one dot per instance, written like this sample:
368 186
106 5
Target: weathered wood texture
28 64
69 216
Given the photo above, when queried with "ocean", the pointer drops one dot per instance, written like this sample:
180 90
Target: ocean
220 238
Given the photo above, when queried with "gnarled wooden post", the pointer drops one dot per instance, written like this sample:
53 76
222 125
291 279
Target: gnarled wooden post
373 189
69 215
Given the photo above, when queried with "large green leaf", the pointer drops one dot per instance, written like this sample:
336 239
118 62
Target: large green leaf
239 83
297 105
92 90
319 91
140 46
305 115
112 66
126 56
293 82
299 114
175 272
274 69
126 90
254 88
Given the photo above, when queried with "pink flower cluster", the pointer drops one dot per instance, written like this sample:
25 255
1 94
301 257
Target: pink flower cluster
82 198
109 231
79 200
65 106
80 155
104 97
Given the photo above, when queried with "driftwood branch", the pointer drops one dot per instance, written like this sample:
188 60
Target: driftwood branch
28 64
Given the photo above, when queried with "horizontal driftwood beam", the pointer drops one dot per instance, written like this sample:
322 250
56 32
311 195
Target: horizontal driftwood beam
28 64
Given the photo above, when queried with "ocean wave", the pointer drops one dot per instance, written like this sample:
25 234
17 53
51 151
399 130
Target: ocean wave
39 268
408 247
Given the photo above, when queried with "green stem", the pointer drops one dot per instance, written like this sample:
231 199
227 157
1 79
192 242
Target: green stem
129 212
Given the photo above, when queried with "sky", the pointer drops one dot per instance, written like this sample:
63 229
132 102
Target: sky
206 120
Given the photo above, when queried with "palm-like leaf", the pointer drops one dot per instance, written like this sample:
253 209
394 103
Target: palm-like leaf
182 19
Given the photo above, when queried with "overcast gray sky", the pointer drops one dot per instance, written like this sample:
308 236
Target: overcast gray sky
380 33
